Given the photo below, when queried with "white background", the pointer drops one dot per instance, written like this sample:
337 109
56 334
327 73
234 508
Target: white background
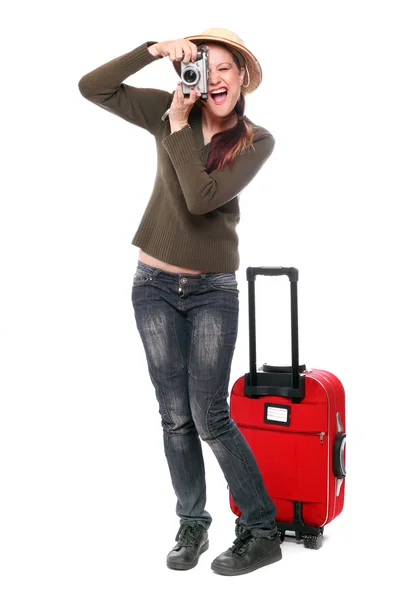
86 505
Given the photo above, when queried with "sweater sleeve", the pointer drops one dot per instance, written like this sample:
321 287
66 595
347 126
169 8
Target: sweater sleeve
141 106
205 192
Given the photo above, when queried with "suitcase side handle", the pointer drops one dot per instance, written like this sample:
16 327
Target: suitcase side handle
285 382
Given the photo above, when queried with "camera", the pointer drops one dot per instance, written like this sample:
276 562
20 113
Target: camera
195 74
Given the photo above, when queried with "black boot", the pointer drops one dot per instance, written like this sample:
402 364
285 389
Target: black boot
192 542
247 554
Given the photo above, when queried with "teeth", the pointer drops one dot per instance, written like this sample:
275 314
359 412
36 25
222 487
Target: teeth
222 91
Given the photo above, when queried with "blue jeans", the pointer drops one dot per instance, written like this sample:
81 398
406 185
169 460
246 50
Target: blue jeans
188 325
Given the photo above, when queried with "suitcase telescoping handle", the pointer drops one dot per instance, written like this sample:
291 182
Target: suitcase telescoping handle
274 381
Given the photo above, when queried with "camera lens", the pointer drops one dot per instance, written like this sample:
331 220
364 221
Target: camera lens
190 76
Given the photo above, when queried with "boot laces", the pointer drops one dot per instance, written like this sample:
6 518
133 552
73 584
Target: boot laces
188 535
241 543
239 528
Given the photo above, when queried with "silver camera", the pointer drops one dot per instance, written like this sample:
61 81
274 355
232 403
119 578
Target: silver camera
195 74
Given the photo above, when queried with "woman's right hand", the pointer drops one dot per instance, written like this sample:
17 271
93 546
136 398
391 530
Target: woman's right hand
180 50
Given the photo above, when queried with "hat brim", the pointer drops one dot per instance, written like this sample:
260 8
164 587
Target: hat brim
253 66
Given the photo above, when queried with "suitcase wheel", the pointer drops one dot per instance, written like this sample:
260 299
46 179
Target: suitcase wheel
313 541
281 535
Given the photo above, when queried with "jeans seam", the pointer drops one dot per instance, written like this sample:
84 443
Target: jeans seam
177 341
159 390
209 431
244 462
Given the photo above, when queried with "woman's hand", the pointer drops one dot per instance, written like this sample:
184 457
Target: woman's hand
180 108
181 50
185 51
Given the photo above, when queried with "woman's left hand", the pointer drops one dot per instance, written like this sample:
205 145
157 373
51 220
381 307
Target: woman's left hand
181 107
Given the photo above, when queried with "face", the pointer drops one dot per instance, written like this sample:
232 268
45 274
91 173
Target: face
225 80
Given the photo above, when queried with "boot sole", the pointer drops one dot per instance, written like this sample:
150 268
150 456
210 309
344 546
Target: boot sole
186 566
262 563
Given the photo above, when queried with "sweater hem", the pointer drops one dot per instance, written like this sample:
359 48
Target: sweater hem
221 256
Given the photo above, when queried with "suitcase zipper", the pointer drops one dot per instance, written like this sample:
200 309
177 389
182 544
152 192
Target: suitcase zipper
321 434
329 400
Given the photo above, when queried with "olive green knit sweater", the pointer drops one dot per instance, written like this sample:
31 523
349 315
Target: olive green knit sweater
191 217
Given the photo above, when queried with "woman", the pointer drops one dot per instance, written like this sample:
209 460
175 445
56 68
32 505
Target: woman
185 293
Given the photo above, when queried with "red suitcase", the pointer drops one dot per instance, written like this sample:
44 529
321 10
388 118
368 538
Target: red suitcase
294 421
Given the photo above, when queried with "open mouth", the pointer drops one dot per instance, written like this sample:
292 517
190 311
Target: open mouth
219 96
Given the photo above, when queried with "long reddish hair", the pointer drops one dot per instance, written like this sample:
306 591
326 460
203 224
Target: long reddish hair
226 145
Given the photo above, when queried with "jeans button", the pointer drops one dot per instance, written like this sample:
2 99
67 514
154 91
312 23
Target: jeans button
183 280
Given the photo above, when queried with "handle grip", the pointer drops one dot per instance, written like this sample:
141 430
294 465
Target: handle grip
291 272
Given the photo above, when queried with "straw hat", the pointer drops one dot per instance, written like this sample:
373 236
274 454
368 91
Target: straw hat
218 35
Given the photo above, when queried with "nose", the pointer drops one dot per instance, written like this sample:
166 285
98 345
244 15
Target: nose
213 76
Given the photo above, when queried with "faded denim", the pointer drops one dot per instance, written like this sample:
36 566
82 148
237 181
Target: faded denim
188 326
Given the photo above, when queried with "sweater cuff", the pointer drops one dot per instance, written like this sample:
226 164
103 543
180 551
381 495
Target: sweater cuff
180 146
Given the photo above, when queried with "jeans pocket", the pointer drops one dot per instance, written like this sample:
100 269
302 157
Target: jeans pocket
225 282
140 278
